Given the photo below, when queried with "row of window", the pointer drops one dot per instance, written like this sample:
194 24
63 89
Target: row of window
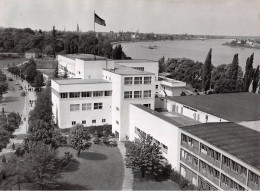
86 106
84 122
139 68
137 80
191 142
209 169
189 157
86 94
235 167
164 148
210 152
137 94
231 184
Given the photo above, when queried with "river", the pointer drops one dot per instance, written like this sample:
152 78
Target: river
193 49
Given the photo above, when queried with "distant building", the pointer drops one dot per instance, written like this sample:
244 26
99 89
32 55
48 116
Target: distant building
32 53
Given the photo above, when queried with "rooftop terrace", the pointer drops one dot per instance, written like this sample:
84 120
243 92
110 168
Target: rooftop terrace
123 70
79 81
84 57
176 119
239 141
234 107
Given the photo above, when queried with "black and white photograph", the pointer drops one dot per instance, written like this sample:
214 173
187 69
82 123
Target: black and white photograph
129 95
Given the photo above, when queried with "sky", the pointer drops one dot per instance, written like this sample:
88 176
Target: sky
207 17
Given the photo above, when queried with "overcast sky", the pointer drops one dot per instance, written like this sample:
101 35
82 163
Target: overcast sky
213 17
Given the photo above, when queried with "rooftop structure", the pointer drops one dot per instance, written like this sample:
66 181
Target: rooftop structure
234 107
79 81
171 117
84 57
124 70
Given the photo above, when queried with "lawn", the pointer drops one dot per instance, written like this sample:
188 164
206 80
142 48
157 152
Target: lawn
149 184
99 168
11 61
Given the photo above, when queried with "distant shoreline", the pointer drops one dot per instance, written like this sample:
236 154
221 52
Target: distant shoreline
241 46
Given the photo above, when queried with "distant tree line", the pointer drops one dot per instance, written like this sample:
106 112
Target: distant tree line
58 42
225 78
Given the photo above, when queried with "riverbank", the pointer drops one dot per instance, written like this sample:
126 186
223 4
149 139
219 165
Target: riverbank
241 45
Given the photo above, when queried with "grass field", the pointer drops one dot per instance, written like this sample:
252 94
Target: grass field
99 168
11 61
148 184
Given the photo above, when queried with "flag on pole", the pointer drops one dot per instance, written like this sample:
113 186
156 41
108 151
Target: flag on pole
99 20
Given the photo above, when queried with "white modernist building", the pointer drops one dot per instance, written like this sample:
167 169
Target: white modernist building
213 140
100 91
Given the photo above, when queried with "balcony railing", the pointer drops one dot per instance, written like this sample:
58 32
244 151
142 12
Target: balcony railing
189 147
190 164
240 177
210 159
209 176
253 186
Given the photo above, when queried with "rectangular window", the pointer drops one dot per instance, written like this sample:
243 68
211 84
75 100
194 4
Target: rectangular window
138 80
108 93
137 94
73 122
97 93
147 93
139 68
83 122
86 106
98 105
128 80
74 107
147 105
147 80
94 121
86 94
63 95
74 94
156 86
103 120
128 94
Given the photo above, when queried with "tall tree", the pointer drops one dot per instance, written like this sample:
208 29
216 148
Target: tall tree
56 72
79 139
248 73
255 79
31 73
38 82
206 72
144 155
233 70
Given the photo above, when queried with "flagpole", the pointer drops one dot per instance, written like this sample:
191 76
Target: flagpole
94 37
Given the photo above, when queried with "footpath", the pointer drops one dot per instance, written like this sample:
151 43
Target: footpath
129 177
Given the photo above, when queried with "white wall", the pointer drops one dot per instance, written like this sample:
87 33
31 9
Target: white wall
159 129
255 125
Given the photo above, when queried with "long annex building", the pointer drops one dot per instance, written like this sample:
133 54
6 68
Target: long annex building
212 140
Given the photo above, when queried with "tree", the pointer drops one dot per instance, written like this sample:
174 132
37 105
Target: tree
144 155
79 139
118 53
56 72
162 65
248 73
14 120
43 107
65 75
206 72
225 86
3 85
255 79
38 81
233 70
31 73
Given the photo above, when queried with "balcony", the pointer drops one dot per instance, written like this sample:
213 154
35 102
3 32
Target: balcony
210 159
253 186
190 164
240 177
189 147
210 177
225 187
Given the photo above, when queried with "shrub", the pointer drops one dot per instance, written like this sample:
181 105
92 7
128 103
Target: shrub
112 143
97 140
66 158
105 140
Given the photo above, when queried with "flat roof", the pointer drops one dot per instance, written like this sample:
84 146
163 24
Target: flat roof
239 141
84 57
234 107
71 81
124 70
175 119
134 60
